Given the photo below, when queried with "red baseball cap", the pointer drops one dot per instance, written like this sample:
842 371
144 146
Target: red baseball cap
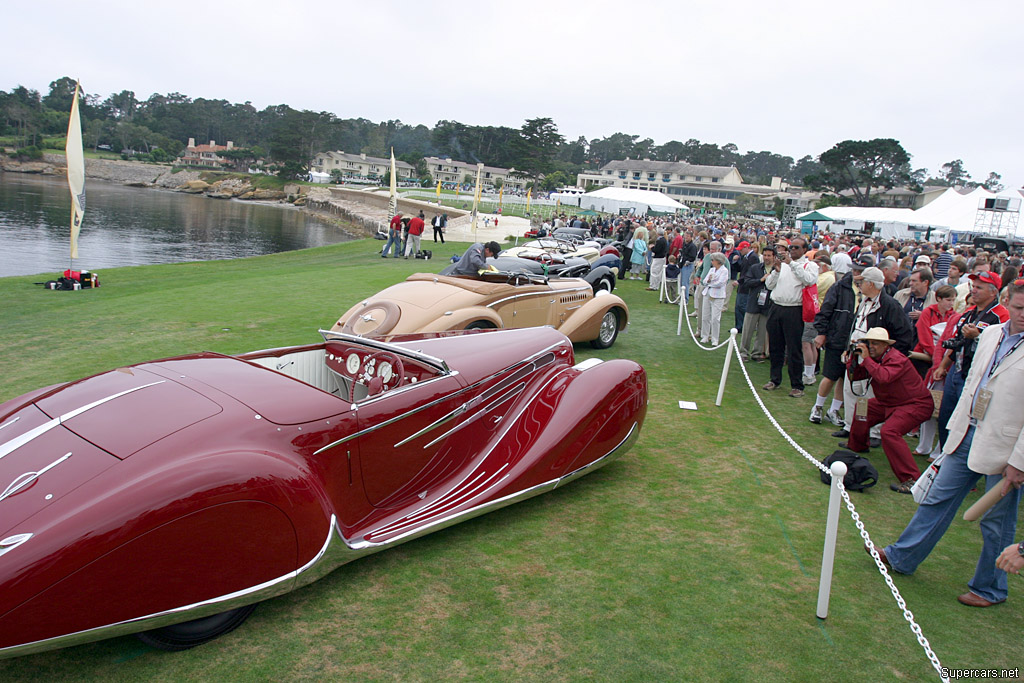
743 245
987 277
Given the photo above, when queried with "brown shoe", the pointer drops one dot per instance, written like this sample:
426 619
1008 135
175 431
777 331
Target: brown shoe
881 555
771 386
796 393
973 600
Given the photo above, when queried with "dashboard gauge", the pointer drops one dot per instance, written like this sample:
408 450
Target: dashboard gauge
385 371
352 363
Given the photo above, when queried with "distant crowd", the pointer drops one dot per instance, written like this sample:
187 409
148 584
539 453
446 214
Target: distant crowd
907 338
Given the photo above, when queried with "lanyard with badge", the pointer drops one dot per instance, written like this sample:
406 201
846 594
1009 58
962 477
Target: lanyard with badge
984 396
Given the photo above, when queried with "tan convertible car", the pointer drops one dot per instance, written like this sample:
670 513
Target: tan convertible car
426 302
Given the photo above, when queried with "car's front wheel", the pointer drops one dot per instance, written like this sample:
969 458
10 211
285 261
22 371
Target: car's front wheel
605 284
196 632
608 332
480 325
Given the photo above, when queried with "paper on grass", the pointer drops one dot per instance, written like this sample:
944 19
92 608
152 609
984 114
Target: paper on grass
688 405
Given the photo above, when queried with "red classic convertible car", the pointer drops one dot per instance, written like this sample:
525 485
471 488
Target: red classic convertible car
168 498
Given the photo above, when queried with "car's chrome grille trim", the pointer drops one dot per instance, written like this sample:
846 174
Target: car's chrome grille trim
34 433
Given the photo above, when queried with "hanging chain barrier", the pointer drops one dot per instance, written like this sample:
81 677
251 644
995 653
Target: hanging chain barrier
907 614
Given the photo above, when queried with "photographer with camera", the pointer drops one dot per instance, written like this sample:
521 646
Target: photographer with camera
875 308
900 400
960 348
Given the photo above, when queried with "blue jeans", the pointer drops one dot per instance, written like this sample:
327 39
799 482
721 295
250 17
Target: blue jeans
685 273
952 484
741 310
951 390
392 239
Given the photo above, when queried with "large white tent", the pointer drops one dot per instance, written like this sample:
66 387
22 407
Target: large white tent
620 199
949 212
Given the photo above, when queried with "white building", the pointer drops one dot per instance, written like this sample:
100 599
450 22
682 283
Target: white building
360 166
711 186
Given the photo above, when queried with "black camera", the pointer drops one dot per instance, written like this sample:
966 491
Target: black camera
854 354
955 343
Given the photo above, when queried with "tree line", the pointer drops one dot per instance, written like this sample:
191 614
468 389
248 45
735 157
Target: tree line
159 127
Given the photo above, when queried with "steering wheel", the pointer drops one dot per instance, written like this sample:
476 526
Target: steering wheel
380 372
518 279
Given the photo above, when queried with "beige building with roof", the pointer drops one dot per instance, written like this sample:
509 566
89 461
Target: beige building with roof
360 166
691 184
450 171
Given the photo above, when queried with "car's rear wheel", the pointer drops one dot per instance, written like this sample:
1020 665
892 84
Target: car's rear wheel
196 632
608 332
480 325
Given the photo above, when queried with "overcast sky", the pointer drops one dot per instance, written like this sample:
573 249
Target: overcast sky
943 77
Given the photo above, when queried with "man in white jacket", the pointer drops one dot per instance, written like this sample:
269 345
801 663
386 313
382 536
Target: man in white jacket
787 281
986 438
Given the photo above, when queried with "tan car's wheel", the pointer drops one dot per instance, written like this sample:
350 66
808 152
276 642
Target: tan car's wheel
608 332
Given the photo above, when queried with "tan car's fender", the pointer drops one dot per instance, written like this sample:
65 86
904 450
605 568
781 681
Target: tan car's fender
585 322
459 319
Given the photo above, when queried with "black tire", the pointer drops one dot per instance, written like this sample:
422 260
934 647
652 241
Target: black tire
196 632
605 284
480 325
609 330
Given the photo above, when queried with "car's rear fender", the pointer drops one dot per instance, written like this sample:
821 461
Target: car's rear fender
463 317
585 323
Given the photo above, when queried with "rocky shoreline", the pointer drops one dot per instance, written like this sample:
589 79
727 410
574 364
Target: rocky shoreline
313 200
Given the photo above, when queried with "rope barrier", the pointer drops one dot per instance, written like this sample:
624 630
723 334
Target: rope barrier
900 602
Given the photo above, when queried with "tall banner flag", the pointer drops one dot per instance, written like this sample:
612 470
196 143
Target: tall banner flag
76 172
393 199
439 193
501 193
529 194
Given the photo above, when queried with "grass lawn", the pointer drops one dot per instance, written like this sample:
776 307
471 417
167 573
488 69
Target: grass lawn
694 557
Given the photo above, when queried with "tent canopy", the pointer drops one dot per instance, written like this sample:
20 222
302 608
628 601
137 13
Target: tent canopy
616 199
951 211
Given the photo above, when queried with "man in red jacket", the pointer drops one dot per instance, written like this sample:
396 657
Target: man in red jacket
901 400
416 226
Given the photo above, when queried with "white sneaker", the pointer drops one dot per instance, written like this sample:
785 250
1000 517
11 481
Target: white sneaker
693 315
815 415
808 380
834 418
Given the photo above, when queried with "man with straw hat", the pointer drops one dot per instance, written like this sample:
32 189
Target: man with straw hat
900 400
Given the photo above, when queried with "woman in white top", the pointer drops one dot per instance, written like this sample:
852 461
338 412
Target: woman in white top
714 292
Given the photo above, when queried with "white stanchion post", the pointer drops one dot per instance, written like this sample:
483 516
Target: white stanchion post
828 554
725 368
679 322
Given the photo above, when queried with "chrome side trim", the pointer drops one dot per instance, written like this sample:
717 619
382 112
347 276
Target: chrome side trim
196 610
515 366
610 456
12 542
24 480
587 364
336 551
545 293
8 424
34 433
